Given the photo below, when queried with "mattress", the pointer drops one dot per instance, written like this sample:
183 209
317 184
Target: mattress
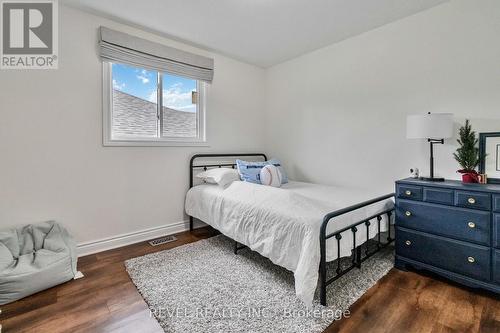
283 224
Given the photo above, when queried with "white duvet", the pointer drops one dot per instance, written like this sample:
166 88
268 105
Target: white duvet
283 224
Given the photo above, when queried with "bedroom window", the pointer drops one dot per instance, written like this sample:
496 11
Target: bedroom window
149 107
153 94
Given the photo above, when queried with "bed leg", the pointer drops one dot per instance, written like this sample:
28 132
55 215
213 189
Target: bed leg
322 269
191 224
237 248
358 256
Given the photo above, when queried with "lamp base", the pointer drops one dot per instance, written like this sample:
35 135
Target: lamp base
432 179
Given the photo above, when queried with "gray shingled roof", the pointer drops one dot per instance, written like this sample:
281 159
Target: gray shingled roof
136 117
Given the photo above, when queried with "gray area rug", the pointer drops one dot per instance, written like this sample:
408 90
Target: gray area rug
203 287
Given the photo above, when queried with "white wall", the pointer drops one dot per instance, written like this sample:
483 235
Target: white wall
338 115
53 164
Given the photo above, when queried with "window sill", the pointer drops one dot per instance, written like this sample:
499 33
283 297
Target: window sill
145 143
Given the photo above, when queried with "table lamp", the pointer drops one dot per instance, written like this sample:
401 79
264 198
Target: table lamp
435 127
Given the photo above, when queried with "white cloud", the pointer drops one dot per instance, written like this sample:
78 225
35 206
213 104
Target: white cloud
187 108
153 97
144 75
175 98
117 85
143 78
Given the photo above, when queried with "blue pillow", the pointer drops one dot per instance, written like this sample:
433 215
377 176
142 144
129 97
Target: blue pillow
250 171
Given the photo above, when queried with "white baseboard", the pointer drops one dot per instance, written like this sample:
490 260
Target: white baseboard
109 243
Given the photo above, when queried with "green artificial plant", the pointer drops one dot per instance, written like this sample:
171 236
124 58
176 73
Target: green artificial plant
467 155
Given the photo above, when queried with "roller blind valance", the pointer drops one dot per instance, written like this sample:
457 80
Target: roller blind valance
120 47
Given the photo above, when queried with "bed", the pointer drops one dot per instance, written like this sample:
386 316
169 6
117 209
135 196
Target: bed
299 226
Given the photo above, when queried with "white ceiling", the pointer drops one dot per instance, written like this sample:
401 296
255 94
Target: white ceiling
261 32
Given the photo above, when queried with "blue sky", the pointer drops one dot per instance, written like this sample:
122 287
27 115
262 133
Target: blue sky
142 83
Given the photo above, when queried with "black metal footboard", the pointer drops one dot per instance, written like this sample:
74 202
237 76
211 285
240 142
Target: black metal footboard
356 256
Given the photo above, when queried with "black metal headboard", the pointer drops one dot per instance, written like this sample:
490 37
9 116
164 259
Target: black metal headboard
192 166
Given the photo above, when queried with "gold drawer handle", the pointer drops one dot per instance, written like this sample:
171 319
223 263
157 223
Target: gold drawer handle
471 201
408 242
408 192
471 259
471 225
408 213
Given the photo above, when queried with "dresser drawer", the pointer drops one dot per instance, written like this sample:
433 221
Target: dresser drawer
439 195
496 266
409 192
456 256
460 223
496 203
474 200
496 230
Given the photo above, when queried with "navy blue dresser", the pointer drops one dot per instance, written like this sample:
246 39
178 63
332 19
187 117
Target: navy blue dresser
450 228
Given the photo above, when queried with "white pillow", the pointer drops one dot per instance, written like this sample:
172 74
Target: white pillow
221 176
270 175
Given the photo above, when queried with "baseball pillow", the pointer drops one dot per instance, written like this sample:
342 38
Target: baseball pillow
270 175
277 163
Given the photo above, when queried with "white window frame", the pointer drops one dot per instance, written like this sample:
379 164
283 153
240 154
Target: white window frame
108 140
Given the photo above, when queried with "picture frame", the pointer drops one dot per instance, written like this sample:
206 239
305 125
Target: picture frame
489 156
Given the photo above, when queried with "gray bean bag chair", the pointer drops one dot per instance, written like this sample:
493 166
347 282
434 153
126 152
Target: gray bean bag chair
34 258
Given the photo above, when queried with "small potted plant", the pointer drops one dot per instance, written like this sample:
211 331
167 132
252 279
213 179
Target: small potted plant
467 155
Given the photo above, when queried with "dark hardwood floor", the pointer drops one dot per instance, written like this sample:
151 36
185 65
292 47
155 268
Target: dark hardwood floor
107 301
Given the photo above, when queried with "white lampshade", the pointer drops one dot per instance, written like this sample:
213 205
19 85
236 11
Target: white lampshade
429 126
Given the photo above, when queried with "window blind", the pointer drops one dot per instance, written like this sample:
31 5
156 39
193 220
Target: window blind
116 46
